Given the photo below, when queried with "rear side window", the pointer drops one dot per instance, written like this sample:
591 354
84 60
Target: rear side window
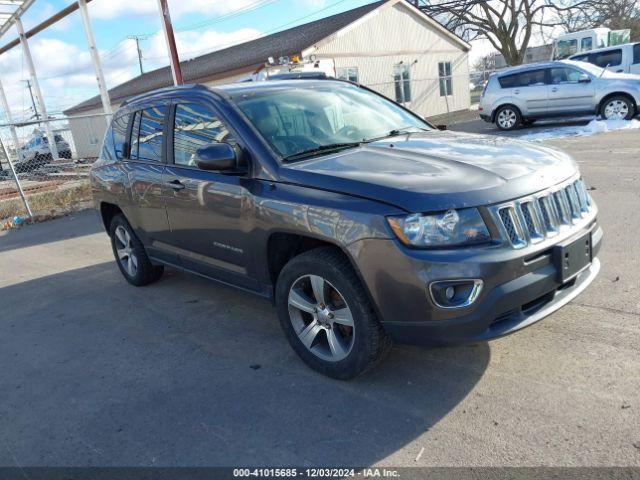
524 79
147 135
636 53
580 58
610 58
119 133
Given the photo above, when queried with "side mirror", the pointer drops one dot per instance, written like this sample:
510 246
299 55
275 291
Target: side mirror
217 156
442 127
584 78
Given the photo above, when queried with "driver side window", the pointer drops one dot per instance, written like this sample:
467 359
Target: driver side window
564 75
196 126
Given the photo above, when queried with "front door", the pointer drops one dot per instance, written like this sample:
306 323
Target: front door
209 212
567 94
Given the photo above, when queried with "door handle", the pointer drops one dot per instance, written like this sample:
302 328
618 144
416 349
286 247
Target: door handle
516 92
176 184
554 89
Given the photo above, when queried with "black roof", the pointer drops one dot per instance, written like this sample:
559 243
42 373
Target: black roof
246 55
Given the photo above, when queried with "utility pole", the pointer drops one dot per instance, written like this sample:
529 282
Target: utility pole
176 72
137 38
33 102
95 58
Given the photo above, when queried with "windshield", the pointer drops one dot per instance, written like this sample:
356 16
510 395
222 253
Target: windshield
316 118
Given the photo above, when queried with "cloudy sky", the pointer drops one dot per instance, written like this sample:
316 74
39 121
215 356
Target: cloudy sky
64 66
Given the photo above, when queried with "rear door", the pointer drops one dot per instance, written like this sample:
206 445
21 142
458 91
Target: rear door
210 213
530 90
145 167
567 94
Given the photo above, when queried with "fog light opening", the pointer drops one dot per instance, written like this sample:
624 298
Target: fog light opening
455 293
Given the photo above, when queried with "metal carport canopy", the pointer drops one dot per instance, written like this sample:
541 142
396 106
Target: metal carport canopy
10 10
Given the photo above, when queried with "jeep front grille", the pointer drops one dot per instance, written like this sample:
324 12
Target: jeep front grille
534 218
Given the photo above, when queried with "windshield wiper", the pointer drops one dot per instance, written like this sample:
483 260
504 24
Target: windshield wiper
395 132
321 149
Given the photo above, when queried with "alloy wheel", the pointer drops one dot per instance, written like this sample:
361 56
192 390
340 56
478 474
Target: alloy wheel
321 318
616 110
124 249
507 118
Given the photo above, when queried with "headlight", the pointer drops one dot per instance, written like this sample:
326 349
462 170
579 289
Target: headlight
450 228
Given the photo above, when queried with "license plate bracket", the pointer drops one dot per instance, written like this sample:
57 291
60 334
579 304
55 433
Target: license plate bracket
572 257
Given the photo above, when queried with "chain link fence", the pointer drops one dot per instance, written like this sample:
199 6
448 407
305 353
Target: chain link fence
40 181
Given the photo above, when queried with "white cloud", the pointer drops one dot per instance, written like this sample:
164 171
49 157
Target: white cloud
192 44
109 9
70 78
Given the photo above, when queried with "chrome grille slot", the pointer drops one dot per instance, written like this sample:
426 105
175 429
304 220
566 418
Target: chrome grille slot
534 218
561 207
548 214
512 226
532 221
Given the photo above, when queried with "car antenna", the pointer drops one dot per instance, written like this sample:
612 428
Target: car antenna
602 72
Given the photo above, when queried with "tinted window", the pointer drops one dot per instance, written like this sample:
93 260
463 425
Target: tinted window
564 48
524 79
195 127
609 58
565 75
119 132
581 58
147 134
636 53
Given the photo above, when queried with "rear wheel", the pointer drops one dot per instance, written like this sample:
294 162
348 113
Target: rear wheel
131 257
508 117
618 108
326 315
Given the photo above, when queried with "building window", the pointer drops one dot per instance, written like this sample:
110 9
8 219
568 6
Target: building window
347 73
446 83
402 80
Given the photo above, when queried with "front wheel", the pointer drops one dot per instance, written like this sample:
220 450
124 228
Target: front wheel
326 315
508 118
618 108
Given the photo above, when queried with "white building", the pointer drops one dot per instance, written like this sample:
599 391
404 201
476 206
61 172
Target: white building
389 45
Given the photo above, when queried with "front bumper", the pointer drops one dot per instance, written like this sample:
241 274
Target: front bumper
520 288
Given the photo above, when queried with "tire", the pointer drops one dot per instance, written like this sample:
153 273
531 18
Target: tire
512 118
617 107
130 255
356 348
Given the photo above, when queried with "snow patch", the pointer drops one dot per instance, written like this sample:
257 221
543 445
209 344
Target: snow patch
592 128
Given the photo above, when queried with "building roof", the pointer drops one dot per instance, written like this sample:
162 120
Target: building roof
238 58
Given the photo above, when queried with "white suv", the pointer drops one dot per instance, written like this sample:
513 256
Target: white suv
520 95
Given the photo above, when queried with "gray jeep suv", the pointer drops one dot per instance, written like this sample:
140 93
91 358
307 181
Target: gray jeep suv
362 222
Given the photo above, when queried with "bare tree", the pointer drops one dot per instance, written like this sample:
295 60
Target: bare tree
507 24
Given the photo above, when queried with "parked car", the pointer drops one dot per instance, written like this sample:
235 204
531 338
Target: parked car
520 95
620 59
361 221
37 152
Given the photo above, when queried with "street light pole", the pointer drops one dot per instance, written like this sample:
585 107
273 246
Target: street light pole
176 72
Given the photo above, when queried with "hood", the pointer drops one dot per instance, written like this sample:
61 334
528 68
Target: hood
436 170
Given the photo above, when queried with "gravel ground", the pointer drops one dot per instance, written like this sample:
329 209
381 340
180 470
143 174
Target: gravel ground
189 373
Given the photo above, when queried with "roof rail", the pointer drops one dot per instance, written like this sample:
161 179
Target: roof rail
189 86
